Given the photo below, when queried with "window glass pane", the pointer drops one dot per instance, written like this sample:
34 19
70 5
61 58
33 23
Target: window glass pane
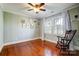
48 28
54 25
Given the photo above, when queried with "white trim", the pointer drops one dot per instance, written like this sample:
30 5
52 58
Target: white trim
1 47
51 40
66 9
42 29
9 43
22 14
17 13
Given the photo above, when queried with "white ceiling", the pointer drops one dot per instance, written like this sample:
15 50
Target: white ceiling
51 9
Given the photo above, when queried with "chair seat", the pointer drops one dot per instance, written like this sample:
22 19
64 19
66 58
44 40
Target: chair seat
61 43
61 46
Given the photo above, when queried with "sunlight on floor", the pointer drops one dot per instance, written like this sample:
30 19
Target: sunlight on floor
47 52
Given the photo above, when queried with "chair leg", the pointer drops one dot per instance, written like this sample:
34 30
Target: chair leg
60 51
68 50
57 45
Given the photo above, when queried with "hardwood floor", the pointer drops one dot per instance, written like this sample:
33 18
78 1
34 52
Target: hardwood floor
31 48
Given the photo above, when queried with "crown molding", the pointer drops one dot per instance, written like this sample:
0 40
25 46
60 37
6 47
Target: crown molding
14 12
69 8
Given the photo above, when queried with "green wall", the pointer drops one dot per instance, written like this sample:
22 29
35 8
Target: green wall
75 25
1 29
13 30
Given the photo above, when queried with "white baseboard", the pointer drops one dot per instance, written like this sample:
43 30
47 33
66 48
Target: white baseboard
51 40
1 47
9 43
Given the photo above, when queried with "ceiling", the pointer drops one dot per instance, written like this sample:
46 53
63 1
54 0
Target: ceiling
51 9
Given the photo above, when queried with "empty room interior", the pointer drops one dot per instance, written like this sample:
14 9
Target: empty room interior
39 29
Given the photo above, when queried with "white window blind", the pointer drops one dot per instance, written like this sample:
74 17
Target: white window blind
57 24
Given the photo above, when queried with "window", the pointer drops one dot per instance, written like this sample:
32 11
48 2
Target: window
48 27
28 24
58 28
56 25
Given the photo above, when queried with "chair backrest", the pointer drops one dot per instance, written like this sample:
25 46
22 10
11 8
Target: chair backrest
69 35
72 35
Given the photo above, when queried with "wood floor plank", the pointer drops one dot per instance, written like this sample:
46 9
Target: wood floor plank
31 48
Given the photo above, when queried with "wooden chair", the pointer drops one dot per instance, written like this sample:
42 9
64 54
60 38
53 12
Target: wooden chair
64 42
